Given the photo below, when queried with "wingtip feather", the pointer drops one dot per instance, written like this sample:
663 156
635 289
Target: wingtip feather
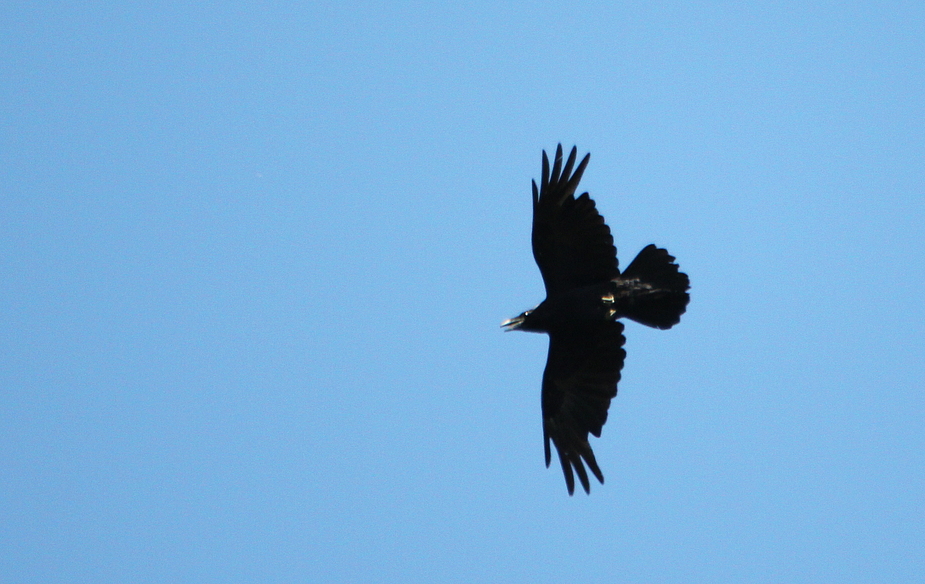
567 471
582 473
570 163
544 182
557 166
576 177
592 464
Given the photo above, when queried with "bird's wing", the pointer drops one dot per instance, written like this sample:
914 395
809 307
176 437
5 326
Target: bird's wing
571 243
582 371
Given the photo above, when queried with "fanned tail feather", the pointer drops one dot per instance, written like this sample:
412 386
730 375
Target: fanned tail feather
659 295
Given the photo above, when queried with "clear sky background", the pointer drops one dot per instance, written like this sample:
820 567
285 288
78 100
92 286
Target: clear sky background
254 258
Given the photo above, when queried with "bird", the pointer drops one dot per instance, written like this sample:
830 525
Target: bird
586 295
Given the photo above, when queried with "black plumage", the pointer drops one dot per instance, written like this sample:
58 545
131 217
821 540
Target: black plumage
585 295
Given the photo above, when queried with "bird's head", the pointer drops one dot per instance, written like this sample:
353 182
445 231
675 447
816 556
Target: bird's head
517 323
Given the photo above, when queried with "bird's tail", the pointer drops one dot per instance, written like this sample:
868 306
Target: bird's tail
659 290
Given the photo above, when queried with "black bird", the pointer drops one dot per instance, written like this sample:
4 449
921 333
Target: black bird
585 295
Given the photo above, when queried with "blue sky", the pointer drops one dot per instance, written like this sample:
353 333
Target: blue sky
255 256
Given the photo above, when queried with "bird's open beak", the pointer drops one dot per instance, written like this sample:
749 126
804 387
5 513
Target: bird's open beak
512 324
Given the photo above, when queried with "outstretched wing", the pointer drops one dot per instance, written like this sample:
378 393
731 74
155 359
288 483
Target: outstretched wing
572 245
582 371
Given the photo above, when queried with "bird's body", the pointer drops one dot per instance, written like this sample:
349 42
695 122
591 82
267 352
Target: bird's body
570 308
585 295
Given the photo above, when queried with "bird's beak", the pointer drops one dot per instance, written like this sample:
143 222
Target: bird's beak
512 324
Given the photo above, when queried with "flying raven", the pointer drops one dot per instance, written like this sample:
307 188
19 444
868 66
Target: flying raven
585 295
